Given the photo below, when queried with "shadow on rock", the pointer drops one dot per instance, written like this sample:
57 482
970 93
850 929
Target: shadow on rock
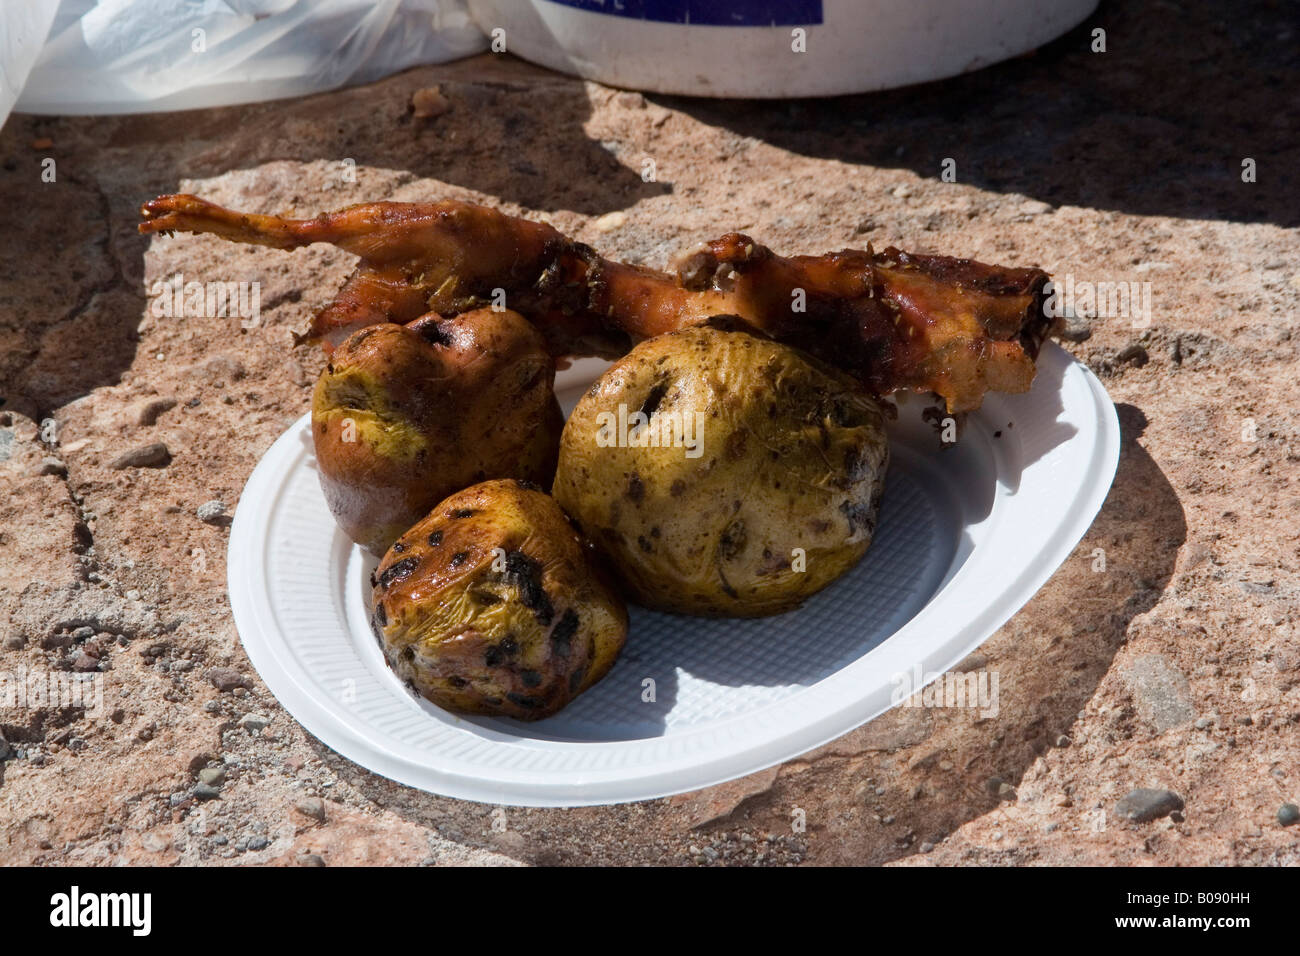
1159 124
68 314
927 771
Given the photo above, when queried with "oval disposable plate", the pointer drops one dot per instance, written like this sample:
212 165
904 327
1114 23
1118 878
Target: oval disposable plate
966 535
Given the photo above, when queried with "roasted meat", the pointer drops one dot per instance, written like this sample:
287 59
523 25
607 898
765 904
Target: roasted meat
893 320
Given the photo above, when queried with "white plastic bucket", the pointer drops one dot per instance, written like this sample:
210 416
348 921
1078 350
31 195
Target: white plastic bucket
772 48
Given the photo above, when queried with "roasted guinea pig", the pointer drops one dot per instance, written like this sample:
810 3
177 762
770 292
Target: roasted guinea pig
403 416
723 473
491 605
893 320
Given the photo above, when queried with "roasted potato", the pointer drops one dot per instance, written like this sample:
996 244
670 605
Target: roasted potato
405 415
723 473
491 605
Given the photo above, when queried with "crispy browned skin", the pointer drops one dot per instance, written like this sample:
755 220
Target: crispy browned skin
896 321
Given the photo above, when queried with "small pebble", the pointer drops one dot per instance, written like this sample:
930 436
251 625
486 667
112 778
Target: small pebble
53 466
611 221
153 408
258 843
1287 814
211 512
206 791
1143 805
429 102
1133 354
1204 723
154 455
1072 328
312 807
254 723
213 776
311 859
226 679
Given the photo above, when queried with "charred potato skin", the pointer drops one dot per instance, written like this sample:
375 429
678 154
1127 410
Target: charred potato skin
491 605
792 454
431 407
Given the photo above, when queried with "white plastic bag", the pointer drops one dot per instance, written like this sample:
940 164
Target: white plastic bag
134 56
24 24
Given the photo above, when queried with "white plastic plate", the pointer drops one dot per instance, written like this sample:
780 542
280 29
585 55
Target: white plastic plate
966 536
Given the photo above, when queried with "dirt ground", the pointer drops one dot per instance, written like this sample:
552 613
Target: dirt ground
1177 667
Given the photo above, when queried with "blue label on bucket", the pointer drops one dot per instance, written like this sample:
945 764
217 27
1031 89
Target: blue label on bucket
709 13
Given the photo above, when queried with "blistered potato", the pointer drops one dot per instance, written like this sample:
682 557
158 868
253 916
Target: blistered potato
405 415
491 605
723 473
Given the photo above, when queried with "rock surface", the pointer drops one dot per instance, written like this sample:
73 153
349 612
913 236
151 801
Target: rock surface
1180 601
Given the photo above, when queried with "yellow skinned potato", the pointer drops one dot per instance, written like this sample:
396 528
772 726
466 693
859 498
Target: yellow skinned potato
491 605
765 485
405 415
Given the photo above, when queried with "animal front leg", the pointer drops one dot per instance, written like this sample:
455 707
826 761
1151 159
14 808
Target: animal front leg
369 297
